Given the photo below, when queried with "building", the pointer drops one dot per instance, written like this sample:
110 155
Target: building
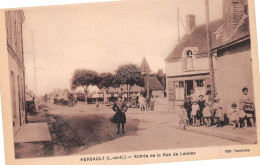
14 21
133 90
112 94
155 87
187 66
233 62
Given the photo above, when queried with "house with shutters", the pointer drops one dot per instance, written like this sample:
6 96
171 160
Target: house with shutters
187 66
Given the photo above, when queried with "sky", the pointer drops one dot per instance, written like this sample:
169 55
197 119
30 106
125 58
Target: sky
101 36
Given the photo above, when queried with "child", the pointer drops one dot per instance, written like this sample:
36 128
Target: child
187 106
207 113
234 116
202 105
141 102
195 109
218 112
183 119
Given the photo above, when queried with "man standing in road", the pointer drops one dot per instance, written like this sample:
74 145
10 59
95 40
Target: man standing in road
120 108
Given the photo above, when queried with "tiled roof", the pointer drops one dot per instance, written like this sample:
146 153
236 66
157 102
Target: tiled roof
242 30
134 88
196 38
154 83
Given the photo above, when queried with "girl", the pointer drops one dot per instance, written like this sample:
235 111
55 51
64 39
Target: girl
183 119
207 113
195 109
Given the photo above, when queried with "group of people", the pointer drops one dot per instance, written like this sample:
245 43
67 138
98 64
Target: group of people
146 103
199 112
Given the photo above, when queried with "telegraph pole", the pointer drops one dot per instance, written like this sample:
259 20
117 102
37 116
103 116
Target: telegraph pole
36 100
178 18
211 69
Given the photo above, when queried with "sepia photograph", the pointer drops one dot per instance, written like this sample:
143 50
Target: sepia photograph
130 76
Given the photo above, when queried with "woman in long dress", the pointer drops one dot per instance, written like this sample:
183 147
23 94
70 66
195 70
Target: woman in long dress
120 108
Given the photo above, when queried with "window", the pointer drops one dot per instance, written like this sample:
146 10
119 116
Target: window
200 83
188 60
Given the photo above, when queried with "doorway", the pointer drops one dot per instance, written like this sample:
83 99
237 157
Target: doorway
189 86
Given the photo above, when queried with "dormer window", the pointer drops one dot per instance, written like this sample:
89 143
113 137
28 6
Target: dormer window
188 60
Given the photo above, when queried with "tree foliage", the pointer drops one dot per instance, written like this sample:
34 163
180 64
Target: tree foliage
106 80
83 78
129 75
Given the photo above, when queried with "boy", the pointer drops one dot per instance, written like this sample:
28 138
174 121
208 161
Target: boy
218 112
188 108
202 105
234 116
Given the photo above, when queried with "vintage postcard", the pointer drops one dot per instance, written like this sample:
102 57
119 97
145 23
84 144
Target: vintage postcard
130 82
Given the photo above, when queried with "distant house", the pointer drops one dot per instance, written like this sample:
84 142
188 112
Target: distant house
187 65
155 87
133 90
14 21
112 94
98 96
233 62
80 96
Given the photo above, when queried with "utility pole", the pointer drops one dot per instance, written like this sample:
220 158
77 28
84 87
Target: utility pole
36 100
178 19
211 69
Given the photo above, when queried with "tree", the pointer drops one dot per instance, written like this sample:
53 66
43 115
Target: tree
83 78
129 75
106 80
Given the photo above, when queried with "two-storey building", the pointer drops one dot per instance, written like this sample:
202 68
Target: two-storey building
187 66
14 21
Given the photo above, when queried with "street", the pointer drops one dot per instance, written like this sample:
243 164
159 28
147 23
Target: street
85 129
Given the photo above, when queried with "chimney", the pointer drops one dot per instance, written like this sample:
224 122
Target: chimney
233 11
160 73
190 22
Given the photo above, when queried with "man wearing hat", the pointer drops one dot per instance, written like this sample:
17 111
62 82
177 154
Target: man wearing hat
188 108
120 108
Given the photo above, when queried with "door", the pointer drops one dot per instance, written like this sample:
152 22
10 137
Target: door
188 87
171 90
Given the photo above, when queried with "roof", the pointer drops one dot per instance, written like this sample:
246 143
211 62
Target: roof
154 83
134 88
101 91
196 38
112 90
242 31
144 66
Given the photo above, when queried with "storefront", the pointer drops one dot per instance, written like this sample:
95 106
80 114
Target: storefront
180 87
